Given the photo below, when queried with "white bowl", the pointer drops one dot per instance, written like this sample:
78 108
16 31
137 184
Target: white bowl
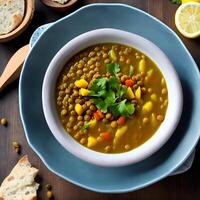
151 50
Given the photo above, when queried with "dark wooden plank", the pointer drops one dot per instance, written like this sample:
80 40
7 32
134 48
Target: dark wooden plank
184 186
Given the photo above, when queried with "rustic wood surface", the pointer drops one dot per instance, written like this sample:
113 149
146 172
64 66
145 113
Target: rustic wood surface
184 186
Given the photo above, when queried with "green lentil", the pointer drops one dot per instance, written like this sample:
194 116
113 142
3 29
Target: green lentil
4 122
49 194
48 187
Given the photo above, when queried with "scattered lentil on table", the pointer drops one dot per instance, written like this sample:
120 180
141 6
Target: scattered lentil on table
16 146
4 122
49 194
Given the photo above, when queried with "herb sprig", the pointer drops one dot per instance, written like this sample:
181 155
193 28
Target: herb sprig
109 95
176 1
113 69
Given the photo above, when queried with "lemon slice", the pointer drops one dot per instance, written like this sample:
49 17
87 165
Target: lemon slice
187 19
186 1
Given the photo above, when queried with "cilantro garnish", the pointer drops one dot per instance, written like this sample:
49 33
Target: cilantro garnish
123 108
113 68
176 1
114 83
122 92
109 95
100 104
98 87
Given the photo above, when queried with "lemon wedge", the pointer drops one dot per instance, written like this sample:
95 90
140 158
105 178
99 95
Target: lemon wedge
186 1
187 19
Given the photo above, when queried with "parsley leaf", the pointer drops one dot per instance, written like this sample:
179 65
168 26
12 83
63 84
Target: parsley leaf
105 101
100 104
130 108
176 1
99 93
99 84
98 87
113 83
113 68
110 95
121 92
123 108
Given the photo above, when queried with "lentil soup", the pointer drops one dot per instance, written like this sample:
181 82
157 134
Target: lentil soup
111 98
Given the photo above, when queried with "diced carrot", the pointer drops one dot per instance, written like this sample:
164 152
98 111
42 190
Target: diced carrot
100 113
97 117
121 121
106 136
129 83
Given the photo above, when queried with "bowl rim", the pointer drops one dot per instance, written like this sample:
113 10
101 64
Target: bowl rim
111 160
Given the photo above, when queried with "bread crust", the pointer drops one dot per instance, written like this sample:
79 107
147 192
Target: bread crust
20 182
24 159
16 20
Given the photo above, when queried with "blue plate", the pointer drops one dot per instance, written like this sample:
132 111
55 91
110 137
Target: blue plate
55 157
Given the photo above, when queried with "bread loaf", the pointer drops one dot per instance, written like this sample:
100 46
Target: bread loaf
11 14
20 184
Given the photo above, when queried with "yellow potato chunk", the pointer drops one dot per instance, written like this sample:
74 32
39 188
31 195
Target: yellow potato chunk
130 93
138 93
148 106
84 92
92 141
78 109
142 66
113 55
92 123
82 83
119 134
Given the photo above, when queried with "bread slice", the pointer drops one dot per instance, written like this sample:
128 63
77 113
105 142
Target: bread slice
20 184
11 15
61 1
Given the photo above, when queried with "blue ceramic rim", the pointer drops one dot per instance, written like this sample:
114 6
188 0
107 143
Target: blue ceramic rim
32 41
43 159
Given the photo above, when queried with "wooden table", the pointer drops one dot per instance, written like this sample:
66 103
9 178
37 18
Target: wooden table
185 186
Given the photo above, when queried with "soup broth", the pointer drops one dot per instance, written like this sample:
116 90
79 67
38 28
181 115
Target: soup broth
111 98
